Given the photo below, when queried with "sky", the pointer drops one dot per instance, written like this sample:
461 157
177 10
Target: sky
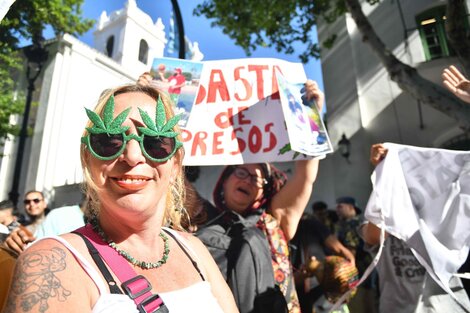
212 42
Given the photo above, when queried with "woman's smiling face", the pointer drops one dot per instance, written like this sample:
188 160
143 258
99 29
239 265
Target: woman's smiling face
240 194
132 182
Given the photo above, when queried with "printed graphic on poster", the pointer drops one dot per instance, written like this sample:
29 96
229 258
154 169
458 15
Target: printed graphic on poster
180 78
305 127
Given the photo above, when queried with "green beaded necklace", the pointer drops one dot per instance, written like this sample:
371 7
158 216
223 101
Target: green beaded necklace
143 265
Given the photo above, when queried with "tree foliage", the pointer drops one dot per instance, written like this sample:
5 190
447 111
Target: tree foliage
25 22
27 19
282 23
274 23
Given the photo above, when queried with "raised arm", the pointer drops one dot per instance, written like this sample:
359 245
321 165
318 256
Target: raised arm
288 205
370 232
457 83
144 79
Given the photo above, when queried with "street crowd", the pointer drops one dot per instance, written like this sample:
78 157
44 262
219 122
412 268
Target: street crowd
144 240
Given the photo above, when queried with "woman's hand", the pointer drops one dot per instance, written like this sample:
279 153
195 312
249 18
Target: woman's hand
312 92
145 79
457 83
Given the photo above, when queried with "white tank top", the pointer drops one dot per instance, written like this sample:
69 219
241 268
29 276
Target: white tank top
195 298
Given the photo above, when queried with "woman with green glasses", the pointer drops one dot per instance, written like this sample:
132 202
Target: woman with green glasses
125 259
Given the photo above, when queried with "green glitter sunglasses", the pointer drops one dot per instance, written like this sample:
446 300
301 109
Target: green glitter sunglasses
107 138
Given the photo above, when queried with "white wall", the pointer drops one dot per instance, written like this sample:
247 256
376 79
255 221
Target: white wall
74 78
366 105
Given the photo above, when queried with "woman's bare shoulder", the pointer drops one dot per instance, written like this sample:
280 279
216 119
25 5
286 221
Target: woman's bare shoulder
46 277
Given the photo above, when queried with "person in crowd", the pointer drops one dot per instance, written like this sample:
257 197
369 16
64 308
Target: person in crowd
36 209
347 231
456 82
131 156
8 221
313 239
405 286
325 216
256 214
348 221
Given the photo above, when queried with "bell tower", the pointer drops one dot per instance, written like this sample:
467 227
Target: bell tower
129 37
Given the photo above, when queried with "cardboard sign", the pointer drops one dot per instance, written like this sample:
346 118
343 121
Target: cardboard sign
237 116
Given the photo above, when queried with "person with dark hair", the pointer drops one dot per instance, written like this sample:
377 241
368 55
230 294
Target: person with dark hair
347 231
8 220
256 213
325 216
313 239
35 206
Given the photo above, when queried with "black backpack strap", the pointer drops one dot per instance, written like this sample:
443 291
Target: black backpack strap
113 286
185 252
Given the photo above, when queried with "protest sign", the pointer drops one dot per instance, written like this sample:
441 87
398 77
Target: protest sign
305 128
237 116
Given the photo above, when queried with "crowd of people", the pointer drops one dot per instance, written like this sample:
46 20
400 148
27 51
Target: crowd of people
143 239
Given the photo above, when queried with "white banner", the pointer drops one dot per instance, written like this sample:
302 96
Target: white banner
236 116
422 196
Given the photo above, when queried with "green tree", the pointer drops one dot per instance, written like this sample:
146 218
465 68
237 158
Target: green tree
282 23
25 22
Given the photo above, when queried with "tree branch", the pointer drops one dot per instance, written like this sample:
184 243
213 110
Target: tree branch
457 33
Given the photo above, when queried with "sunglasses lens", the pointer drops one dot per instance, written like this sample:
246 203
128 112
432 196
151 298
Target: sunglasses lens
27 201
159 147
106 145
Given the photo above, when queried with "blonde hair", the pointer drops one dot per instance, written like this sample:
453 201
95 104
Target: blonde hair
174 209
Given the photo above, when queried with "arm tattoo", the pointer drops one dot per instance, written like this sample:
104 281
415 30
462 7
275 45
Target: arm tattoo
36 281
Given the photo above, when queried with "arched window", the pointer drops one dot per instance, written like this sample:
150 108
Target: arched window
110 46
143 51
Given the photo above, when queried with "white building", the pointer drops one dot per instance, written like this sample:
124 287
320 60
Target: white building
365 105
126 41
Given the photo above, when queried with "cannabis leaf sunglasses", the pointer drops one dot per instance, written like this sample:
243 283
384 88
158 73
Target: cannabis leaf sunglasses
107 138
